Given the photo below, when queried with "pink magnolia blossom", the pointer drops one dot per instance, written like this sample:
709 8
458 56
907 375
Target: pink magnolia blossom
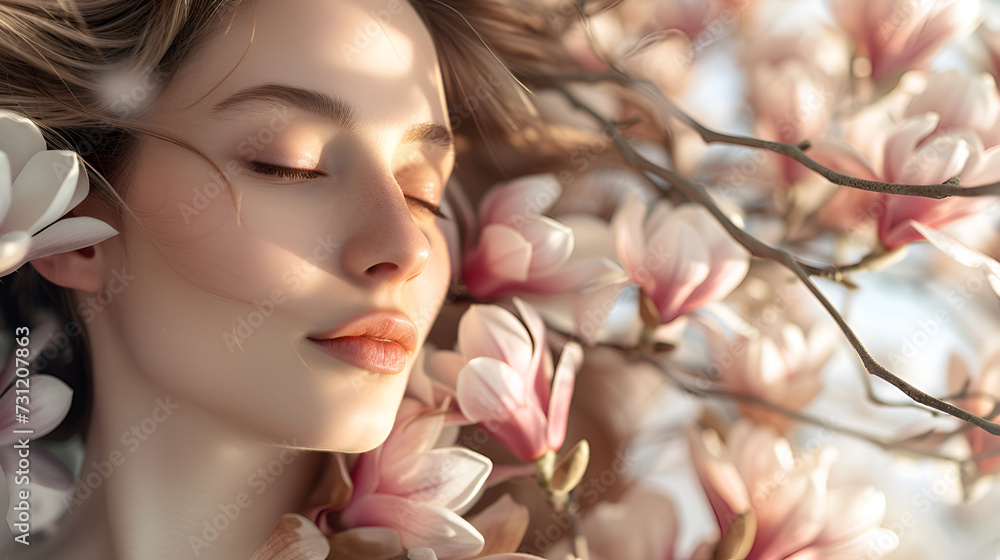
504 379
962 101
521 250
782 501
680 257
782 367
914 146
37 187
415 490
899 35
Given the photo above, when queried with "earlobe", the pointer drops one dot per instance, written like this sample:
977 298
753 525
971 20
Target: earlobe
78 270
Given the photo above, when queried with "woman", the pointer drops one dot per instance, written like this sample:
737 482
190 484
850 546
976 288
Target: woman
276 171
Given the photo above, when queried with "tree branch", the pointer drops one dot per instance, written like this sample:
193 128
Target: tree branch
757 248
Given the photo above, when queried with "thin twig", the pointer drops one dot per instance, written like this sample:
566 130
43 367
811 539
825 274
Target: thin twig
949 188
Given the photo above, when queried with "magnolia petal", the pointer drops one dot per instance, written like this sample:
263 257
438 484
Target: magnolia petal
493 332
5 184
562 393
677 263
941 159
68 235
492 394
525 196
296 538
900 144
448 477
418 525
725 489
50 401
14 247
21 139
962 253
536 329
43 190
417 430
630 241
502 525
502 256
551 243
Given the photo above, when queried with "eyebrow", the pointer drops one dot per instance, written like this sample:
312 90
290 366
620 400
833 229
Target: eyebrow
329 107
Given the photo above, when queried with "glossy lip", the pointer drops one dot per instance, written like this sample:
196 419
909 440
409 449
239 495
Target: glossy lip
378 341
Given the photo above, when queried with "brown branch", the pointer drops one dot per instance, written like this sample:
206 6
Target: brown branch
758 248
948 189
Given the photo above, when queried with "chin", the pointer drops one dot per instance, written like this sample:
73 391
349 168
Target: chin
353 425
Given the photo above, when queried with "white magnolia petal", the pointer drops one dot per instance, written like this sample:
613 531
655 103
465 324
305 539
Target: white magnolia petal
448 477
49 403
492 331
14 248
5 183
21 139
42 192
69 235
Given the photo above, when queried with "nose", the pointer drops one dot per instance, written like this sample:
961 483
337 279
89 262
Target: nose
385 244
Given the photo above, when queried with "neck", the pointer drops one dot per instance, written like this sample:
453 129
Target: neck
164 479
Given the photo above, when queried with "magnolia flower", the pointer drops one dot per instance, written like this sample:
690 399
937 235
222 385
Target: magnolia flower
772 505
782 367
680 257
897 35
521 250
909 151
37 187
962 101
414 490
791 104
504 380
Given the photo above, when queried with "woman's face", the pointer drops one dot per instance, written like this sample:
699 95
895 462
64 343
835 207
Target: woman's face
331 127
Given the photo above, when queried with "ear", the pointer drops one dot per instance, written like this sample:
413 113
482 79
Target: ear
80 270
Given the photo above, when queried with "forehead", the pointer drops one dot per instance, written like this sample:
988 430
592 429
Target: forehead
376 56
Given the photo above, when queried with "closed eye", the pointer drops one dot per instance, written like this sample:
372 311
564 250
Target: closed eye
296 174
286 172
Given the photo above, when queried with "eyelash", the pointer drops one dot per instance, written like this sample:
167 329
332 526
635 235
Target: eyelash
306 174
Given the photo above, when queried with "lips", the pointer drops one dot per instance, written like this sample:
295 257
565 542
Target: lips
379 341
